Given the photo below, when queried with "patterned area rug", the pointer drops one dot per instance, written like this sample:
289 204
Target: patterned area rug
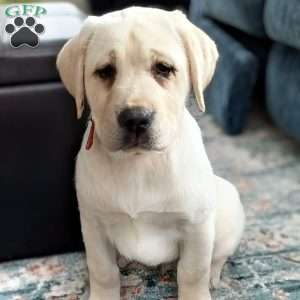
265 166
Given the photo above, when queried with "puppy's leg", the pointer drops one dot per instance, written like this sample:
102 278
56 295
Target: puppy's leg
230 219
193 271
101 260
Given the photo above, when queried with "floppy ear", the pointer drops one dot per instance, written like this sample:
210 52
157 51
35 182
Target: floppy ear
71 61
201 52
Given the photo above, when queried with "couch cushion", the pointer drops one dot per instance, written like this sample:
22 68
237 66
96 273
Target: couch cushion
25 64
282 21
246 15
228 95
283 88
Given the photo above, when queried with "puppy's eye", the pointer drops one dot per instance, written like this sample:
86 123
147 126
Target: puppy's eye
163 69
108 72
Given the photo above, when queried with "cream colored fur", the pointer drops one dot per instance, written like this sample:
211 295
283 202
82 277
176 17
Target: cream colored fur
158 205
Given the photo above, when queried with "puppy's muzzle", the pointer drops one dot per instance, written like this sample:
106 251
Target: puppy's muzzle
136 123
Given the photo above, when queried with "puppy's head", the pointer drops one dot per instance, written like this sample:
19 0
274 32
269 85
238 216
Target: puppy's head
135 67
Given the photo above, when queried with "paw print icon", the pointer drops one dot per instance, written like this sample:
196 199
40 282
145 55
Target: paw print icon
24 32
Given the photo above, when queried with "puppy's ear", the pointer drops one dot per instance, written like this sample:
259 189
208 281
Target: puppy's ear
201 52
71 61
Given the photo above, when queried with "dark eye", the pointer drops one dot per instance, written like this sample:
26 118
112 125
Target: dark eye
163 69
107 72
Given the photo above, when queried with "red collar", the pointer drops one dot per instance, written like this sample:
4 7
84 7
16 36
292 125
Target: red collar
90 140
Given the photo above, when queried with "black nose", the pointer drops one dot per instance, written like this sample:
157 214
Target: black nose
136 119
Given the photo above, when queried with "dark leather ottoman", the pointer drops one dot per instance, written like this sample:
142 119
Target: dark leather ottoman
40 137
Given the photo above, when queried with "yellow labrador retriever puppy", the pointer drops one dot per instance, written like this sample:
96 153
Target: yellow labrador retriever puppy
145 186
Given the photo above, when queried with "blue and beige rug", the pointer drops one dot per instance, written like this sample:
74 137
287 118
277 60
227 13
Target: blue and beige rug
265 166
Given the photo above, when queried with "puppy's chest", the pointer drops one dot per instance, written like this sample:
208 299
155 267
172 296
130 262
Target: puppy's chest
133 194
150 238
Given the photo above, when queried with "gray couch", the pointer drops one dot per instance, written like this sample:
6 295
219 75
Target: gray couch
263 36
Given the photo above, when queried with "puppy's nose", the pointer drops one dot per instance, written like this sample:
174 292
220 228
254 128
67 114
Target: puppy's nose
136 119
